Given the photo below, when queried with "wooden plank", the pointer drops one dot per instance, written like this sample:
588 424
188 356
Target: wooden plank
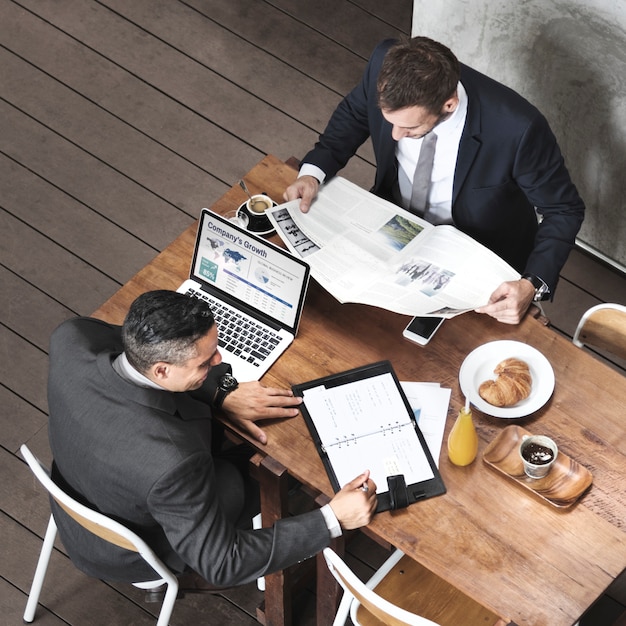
107 138
19 422
28 311
338 19
172 72
252 68
398 13
203 40
305 49
17 357
124 95
13 604
40 446
24 501
98 241
237 110
47 266
85 178
604 282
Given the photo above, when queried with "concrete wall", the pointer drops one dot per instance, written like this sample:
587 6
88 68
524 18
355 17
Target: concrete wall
569 59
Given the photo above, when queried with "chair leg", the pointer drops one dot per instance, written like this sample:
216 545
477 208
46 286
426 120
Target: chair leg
168 604
40 572
344 610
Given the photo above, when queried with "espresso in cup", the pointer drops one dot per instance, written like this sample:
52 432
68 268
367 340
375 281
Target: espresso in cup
258 204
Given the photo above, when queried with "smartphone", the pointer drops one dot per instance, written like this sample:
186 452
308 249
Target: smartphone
421 329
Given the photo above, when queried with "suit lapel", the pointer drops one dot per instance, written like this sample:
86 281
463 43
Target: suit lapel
386 165
470 140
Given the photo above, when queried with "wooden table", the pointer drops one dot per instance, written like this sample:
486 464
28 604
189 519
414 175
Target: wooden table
523 558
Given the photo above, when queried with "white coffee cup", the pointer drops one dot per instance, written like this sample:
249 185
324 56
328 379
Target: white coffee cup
258 204
538 454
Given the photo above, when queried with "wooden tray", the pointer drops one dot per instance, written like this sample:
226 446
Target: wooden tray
564 484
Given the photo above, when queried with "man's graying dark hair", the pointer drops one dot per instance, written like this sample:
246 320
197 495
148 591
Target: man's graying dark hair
164 326
418 72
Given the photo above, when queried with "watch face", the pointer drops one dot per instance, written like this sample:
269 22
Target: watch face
228 382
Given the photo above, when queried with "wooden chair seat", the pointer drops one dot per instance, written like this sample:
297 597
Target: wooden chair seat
404 592
416 589
604 327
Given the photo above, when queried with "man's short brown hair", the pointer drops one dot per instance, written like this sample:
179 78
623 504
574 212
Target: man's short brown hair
418 72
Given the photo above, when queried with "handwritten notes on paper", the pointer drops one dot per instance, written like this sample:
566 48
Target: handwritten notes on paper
363 427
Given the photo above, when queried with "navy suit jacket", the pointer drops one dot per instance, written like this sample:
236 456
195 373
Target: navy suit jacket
143 456
508 163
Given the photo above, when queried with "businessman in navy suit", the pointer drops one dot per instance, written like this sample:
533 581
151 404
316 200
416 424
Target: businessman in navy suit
498 173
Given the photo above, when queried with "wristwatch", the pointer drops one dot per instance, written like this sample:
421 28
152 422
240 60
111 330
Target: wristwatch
541 289
225 385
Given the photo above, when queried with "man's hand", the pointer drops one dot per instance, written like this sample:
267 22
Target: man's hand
510 301
252 401
354 506
306 188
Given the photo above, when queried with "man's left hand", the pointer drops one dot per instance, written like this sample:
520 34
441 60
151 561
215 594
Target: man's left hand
252 401
510 301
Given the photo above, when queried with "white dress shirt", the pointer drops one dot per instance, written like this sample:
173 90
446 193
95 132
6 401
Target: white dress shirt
448 139
407 153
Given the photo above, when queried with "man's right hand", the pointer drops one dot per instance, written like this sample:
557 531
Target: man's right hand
353 506
306 188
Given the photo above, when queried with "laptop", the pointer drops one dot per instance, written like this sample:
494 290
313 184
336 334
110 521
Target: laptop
256 291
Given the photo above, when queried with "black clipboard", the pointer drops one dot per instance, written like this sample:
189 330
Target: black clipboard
368 389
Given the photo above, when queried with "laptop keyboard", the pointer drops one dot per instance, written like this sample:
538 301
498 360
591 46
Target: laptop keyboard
239 334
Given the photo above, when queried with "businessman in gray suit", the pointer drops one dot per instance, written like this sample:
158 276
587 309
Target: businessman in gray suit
496 161
131 434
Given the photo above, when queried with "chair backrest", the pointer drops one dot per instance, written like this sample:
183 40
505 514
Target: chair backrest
95 522
603 326
385 611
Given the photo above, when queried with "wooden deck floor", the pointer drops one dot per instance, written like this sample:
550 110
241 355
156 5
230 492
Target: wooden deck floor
119 121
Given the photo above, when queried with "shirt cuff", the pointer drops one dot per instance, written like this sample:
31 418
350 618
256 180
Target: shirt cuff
332 523
312 170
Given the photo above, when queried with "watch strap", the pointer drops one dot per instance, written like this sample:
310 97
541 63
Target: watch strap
542 292
222 390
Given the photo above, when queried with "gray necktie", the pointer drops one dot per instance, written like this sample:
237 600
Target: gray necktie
423 174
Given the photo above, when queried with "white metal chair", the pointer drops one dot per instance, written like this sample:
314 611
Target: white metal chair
103 527
603 326
416 588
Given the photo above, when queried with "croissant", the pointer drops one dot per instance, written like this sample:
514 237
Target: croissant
512 385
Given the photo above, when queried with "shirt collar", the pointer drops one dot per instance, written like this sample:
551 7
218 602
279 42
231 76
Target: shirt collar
131 375
449 126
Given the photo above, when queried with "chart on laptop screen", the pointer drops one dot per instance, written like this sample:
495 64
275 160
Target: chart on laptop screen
250 271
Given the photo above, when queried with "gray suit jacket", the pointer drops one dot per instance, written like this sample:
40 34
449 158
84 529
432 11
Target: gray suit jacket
143 456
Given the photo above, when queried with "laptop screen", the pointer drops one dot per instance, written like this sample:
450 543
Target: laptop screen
250 269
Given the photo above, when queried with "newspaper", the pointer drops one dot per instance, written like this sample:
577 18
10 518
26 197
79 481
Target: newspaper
366 250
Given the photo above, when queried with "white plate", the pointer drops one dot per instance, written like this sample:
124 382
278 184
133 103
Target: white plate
479 364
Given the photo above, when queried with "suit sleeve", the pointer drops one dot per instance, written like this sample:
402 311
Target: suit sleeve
540 171
186 503
349 125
